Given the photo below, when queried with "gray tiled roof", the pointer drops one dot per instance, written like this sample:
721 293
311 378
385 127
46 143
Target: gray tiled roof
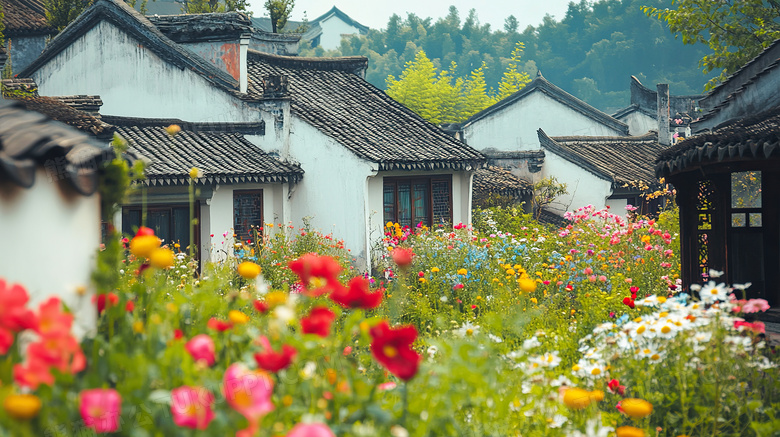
551 90
621 160
494 179
222 157
756 137
25 17
21 84
29 140
326 93
60 111
88 104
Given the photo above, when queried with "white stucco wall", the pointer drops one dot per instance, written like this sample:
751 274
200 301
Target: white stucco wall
639 123
133 81
332 30
333 190
584 187
514 128
50 236
617 206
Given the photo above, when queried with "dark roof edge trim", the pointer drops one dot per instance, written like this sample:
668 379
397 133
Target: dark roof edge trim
225 179
350 64
460 165
246 128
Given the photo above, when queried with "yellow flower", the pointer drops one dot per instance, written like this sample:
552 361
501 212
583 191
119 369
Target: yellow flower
435 270
173 129
597 396
462 272
22 407
238 317
144 245
248 270
661 299
389 225
527 285
171 307
629 431
636 408
161 258
576 398
138 327
195 173
510 272
533 299
287 400
275 298
422 280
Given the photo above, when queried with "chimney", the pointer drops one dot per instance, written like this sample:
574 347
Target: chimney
243 76
664 137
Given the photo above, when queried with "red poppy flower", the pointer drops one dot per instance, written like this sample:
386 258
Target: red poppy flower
177 334
218 325
356 295
129 306
318 322
393 349
143 230
261 306
102 301
630 302
273 361
402 256
615 387
318 274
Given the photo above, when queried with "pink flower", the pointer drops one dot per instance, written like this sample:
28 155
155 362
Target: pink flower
311 430
386 386
602 278
191 407
249 393
588 271
755 327
457 286
201 347
755 305
100 409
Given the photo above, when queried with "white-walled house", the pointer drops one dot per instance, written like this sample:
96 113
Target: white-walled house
641 115
49 209
511 124
326 31
241 189
26 31
600 171
367 159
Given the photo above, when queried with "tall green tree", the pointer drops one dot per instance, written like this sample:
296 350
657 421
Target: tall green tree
734 30
59 13
211 6
513 79
279 11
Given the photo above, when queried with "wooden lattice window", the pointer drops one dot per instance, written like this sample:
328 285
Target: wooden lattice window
247 214
706 208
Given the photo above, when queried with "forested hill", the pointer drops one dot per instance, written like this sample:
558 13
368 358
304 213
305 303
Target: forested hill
591 52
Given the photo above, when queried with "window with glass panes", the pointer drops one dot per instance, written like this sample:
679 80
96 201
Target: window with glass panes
411 201
170 223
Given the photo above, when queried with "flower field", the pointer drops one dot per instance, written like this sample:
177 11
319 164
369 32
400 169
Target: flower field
511 328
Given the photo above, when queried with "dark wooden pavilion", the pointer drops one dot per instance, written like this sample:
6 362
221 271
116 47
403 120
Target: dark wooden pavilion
728 190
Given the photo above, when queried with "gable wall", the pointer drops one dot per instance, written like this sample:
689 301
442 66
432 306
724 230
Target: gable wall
332 29
133 81
584 187
639 123
333 192
514 128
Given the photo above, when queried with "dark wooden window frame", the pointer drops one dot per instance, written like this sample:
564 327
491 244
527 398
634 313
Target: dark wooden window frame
170 207
262 211
429 180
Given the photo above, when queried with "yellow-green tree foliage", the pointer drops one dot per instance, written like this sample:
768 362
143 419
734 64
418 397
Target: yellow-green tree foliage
441 97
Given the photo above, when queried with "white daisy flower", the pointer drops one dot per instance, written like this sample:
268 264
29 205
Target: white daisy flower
467 329
711 292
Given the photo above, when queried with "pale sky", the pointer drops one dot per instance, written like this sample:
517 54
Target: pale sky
375 14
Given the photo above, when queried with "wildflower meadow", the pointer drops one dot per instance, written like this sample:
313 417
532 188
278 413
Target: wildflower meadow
504 328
